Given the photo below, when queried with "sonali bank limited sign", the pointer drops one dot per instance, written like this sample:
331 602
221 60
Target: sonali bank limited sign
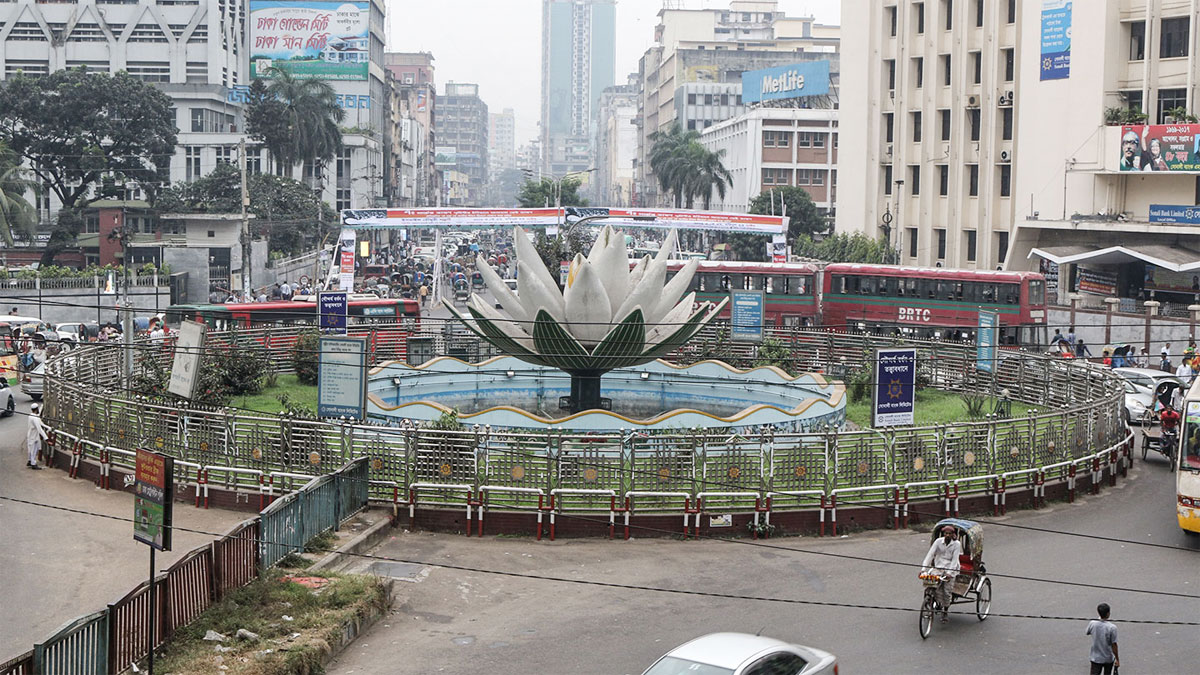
810 78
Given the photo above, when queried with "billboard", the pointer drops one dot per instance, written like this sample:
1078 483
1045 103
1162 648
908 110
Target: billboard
1160 279
1056 39
985 341
445 155
310 39
189 347
893 388
1160 147
154 496
810 78
746 316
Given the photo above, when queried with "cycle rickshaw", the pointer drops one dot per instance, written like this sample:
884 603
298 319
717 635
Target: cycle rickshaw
972 583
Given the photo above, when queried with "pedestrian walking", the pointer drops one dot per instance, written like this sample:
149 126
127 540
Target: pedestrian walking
1104 656
424 294
1166 351
1070 339
1081 350
35 434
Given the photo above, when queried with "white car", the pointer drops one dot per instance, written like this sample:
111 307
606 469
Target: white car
8 403
31 382
742 654
1139 404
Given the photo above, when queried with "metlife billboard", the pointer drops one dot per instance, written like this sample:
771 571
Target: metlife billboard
810 78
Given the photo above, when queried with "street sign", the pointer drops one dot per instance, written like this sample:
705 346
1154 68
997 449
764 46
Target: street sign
154 496
342 378
893 388
333 307
746 316
189 347
985 342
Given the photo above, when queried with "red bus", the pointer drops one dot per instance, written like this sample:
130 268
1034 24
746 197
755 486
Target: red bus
924 302
363 309
790 289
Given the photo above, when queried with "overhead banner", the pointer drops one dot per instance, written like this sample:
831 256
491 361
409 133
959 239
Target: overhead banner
746 316
154 498
810 78
894 390
1160 147
185 370
342 378
310 39
487 219
985 341
1056 39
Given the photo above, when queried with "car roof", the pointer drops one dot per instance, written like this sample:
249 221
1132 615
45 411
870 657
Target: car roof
728 650
1147 372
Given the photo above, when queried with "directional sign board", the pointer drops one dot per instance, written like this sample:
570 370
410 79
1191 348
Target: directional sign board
154 495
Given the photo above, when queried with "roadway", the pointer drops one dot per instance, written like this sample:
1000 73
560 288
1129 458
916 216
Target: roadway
450 620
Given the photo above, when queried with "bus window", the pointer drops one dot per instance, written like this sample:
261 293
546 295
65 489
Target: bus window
799 285
1011 294
889 286
908 288
958 290
1037 292
866 285
1191 442
773 282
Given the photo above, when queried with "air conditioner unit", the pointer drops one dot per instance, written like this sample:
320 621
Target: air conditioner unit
408 79
972 101
1005 156
889 150
1009 95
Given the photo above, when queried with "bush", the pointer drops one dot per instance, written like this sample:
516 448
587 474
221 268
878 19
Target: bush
305 356
243 370
774 352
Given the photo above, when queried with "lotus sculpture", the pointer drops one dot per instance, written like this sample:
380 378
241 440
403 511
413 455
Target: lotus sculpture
611 314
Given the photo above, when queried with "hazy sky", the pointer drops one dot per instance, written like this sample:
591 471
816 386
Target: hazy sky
497 43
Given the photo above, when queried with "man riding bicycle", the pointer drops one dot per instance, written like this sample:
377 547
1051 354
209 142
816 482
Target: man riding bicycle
942 561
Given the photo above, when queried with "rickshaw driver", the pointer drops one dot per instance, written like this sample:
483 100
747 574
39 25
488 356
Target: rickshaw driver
942 558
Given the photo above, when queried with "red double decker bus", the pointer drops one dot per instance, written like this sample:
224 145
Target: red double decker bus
924 302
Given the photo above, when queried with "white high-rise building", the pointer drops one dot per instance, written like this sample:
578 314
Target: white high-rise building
502 142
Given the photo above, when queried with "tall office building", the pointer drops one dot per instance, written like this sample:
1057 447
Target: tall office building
502 142
616 145
462 137
1007 133
578 63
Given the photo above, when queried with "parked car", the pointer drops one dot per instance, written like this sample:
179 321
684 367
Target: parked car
31 381
8 403
1145 378
1139 404
742 654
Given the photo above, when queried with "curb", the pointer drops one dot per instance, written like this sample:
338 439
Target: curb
363 542
355 627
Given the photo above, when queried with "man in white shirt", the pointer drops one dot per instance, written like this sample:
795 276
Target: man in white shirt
1184 373
34 435
942 560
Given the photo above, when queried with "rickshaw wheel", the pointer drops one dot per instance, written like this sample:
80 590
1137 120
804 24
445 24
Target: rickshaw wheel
983 599
1145 444
926 615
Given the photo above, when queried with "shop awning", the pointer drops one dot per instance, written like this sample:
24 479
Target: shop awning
1172 257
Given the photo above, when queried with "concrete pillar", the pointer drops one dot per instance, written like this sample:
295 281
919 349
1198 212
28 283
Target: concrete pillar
1074 299
1193 319
1110 306
1151 312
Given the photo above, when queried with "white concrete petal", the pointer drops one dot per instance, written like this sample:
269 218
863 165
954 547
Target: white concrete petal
668 246
648 291
509 328
635 275
534 294
527 253
602 240
612 267
500 290
587 307
674 288
676 317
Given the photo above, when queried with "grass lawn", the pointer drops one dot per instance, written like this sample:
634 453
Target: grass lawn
266 400
934 406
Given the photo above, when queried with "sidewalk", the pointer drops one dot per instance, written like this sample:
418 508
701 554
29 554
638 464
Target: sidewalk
55 565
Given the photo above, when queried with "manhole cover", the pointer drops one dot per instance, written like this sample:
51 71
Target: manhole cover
395 570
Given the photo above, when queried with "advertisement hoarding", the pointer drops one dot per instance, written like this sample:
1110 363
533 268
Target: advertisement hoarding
333 307
810 78
342 378
185 370
985 341
1056 40
777 250
154 496
893 388
445 156
1160 147
345 260
1159 279
310 39
746 315
1096 282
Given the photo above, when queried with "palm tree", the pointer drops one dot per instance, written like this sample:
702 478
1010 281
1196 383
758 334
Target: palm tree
711 174
685 168
311 112
16 213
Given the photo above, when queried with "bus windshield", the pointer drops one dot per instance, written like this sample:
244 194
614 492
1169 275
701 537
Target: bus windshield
1037 292
1191 444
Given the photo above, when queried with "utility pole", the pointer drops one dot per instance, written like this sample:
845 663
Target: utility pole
247 292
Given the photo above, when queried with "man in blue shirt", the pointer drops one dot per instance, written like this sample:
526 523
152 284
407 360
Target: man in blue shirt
1104 655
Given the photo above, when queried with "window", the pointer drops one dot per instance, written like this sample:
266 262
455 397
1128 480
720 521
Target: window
977 65
818 139
776 139
776 176
1012 11
1174 39
1001 246
1005 180
892 20
920 10
1133 99
1137 41
887 179
804 140
691 99
916 122
802 177
973 122
948 10
973 180
1009 64
191 163
946 69
978 13
708 99
1170 98
971 235
891 68
941 243
919 68
253 160
225 154
943 180
343 198
914 175
945 123
912 242
1006 124
91 223
888 122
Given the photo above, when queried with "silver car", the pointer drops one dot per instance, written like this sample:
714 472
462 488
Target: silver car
8 404
742 654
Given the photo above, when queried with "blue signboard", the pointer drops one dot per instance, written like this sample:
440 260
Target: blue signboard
747 315
894 392
342 378
985 342
810 78
1171 213
1056 39
333 307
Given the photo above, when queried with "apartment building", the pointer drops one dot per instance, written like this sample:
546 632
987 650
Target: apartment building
616 145
462 130
413 78
1009 133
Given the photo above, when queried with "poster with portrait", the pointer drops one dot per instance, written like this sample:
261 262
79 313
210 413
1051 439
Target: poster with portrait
1160 147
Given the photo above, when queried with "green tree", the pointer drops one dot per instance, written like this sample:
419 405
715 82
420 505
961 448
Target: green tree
16 213
686 169
284 209
75 129
296 119
803 215
535 193
853 248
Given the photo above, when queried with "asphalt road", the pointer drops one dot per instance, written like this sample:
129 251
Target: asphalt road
56 565
457 621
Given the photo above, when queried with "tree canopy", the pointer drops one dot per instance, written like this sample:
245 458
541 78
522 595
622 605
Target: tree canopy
284 209
296 119
851 248
803 215
16 213
535 193
685 168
